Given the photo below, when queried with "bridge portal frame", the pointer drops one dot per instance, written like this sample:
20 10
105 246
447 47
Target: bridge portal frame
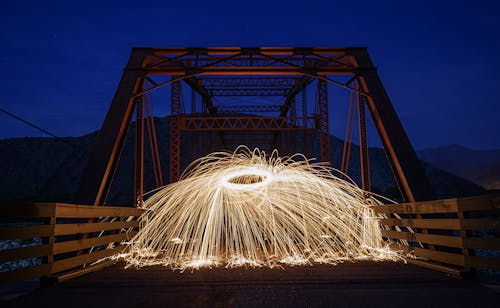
304 64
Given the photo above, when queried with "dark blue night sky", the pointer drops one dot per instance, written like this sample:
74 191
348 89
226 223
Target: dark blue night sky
60 61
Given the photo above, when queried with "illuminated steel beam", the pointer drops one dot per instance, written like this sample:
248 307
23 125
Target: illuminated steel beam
241 82
253 61
257 70
250 63
243 123
265 50
252 56
247 92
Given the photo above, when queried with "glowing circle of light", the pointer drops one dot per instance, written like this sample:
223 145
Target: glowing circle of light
250 172
248 208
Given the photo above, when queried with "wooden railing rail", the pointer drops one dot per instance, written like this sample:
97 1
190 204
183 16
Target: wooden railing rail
463 231
42 240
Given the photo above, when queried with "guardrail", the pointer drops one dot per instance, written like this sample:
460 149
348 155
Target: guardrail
457 235
60 241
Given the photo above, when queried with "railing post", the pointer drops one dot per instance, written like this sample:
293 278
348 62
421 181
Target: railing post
48 279
468 272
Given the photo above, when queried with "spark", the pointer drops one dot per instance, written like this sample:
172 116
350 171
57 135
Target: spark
248 208
176 240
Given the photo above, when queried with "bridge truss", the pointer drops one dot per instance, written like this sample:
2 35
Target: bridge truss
218 73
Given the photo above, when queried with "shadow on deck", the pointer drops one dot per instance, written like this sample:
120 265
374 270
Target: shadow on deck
361 284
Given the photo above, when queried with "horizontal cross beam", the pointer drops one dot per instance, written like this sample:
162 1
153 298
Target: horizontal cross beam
245 123
247 92
250 82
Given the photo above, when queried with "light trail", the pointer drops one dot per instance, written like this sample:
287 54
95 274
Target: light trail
250 209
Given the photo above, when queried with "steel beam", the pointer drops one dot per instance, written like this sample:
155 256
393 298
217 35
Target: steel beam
250 64
324 131
139 153
251 61
153 142
257 71
255 82
265 50
175 135
197 86
247 92
244 124
236 56
306 147
364 159
301 84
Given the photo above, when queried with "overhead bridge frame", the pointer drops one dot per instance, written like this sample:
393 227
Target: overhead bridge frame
283 71
246 123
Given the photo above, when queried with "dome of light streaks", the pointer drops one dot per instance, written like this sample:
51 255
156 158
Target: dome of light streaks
248 208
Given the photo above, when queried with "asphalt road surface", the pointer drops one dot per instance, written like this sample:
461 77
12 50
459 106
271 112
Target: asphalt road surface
360 284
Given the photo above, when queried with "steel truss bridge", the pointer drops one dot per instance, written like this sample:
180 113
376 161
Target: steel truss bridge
216 73
446 235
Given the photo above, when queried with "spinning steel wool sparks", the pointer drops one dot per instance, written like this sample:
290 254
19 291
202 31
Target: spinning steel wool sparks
248 208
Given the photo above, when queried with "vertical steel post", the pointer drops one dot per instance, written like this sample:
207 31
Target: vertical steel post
292 144
305 141
204 105
153 141
139 153
363 146
193 101
324 131
175 135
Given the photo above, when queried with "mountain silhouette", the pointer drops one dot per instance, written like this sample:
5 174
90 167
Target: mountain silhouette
48 169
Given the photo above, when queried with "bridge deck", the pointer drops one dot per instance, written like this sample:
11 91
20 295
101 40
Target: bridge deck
361 284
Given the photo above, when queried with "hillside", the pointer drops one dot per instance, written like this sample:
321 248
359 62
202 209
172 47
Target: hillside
479 166
45 169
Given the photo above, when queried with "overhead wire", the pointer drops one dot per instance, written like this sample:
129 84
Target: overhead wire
46 132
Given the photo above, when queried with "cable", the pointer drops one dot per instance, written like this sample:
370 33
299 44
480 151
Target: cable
76 154
39 128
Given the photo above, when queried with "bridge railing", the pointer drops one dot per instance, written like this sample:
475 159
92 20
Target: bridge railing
60 241
457 235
